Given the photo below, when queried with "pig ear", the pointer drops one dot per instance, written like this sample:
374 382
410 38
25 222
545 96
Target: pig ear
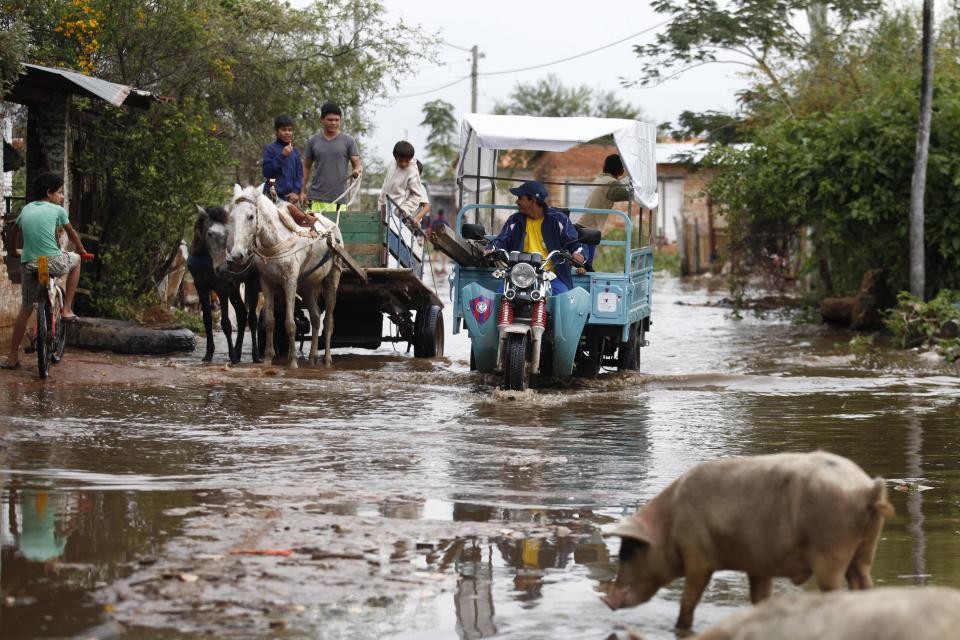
633 528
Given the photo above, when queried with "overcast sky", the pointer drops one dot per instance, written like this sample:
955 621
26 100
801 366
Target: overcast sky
532 32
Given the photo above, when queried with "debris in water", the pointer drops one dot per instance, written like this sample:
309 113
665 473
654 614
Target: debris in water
262 552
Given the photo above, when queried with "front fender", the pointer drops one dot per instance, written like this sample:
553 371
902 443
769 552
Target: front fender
569 313
479 309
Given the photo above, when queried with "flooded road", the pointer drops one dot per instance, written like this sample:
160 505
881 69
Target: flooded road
392 497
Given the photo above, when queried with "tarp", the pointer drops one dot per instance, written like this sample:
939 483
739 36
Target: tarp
485 134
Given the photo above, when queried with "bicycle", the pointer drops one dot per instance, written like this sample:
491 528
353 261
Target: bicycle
50 336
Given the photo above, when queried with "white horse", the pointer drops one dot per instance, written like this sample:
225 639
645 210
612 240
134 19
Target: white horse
289 260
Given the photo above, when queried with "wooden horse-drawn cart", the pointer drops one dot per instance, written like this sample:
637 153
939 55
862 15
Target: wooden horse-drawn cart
382 276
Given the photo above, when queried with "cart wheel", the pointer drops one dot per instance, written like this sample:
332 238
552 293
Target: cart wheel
628 355
428 333
516 371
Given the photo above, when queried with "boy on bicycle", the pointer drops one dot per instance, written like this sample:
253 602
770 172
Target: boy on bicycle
38 222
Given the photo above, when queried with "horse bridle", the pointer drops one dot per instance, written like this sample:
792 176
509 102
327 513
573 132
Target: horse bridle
294 238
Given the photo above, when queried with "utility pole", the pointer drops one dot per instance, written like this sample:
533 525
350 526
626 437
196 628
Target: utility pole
475 52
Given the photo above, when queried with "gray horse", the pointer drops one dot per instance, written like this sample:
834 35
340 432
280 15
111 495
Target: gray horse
290 261
208 252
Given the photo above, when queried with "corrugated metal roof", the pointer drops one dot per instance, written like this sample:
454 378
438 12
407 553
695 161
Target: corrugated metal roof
73 82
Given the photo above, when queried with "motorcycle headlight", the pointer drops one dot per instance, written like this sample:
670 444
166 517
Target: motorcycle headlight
523 275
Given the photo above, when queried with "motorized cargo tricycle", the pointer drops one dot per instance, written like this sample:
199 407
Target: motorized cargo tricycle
604 319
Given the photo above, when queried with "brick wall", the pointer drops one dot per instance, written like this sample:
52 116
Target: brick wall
580 164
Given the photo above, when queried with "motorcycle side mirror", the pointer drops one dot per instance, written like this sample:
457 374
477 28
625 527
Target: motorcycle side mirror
589 236
472 231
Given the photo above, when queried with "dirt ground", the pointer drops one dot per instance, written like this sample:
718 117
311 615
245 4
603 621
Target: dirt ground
85 367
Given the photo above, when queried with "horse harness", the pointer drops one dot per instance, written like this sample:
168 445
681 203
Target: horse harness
286 246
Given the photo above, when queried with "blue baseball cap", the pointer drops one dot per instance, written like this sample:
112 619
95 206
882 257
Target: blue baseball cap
531 188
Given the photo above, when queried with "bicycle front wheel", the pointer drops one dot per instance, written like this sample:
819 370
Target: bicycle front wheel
44 337
59 331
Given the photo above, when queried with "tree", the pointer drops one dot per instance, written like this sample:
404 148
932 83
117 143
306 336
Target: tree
710 126
13 40
550 97
438 117
758 34
229 66
919 182
846 172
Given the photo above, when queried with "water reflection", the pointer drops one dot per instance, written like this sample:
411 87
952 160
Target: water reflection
100 491
914 469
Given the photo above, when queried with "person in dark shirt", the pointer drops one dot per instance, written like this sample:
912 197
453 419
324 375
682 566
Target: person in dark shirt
281 161
539 228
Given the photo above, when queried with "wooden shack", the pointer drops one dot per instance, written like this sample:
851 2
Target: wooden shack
48 95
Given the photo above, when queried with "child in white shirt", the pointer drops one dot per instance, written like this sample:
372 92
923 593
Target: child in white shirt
403 185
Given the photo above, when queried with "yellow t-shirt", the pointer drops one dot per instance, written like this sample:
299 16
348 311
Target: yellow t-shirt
533 239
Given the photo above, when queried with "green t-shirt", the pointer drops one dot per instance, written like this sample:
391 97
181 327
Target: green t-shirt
38 222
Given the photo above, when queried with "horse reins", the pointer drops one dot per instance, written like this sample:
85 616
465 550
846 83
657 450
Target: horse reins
284 252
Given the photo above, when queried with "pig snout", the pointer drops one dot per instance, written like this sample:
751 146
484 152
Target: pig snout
613 599
623 597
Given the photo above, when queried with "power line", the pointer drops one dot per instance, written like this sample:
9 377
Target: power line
537 66
579 55
455 46
423 93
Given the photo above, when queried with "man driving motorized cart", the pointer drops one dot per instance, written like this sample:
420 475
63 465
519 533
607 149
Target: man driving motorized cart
530 314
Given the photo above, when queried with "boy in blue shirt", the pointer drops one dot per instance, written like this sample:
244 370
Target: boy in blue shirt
38 222
281 161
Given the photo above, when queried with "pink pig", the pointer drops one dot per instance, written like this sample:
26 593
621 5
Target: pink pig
887 613
794 515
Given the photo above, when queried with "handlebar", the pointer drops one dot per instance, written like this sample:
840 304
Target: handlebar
86 257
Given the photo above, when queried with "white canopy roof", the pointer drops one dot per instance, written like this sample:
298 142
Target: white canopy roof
481 135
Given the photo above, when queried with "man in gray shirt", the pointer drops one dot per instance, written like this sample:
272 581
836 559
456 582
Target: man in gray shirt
336 157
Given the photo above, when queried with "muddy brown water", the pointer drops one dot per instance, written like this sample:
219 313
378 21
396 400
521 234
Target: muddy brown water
119 502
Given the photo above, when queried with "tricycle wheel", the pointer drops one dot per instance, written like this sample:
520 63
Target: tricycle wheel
628 355
428 332
589 364
516 372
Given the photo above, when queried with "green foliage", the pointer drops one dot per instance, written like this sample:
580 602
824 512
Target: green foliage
193 321
710 126
153 166
916 323
439 118
550 97
669 262
759 34
846 174
229 67
13 41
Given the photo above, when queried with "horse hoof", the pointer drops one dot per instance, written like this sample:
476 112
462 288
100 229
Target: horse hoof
328 362
208 358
